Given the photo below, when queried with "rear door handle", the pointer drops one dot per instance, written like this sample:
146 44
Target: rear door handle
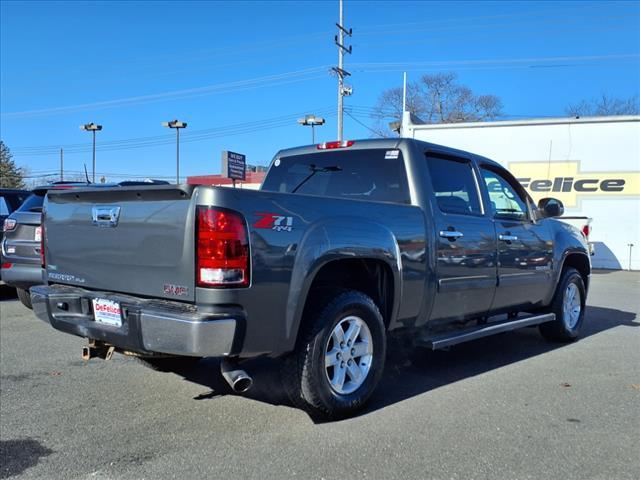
451 234
507 238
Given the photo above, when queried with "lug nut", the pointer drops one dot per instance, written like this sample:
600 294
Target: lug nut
341 344
338 355
341 364
349 362
353 352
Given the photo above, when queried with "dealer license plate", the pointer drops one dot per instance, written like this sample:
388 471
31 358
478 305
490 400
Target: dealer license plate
38 234
107 312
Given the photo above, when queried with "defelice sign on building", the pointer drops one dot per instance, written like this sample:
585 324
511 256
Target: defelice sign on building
592 164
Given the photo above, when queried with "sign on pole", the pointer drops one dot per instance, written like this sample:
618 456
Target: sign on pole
234 165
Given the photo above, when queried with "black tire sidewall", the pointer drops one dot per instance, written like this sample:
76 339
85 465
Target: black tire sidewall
572 276
25 297
347 304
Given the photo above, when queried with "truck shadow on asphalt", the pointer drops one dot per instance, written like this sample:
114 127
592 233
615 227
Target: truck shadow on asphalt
20 454
411 371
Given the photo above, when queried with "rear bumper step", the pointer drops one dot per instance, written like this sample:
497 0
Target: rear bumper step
148 326
449 339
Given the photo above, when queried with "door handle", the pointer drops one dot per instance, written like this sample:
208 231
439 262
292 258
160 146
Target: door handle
451 234
507 238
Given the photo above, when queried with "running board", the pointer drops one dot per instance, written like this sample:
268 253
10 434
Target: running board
449 339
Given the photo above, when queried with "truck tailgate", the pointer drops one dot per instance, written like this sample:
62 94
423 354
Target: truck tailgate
138 240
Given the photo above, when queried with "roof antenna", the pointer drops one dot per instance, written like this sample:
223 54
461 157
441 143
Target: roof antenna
86 174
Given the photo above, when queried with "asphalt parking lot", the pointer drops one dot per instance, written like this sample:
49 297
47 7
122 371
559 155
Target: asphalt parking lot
512 406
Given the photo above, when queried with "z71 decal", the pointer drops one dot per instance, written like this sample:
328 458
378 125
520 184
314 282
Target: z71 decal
274 221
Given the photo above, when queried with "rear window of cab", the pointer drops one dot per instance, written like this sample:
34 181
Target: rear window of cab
375 174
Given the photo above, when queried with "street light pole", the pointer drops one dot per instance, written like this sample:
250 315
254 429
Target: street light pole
177 125
92 127
312 121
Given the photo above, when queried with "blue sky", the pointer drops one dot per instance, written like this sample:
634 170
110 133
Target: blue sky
240 73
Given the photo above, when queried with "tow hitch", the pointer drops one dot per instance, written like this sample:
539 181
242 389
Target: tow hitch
96 349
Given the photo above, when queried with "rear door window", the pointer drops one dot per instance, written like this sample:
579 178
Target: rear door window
375 175
32 204
454 185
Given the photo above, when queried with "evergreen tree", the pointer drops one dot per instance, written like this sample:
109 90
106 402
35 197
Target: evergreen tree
10 174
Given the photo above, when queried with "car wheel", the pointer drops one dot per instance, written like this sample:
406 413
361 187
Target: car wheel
25 297
569 306
340 355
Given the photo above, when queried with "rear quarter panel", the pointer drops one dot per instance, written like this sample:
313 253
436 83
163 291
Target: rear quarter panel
284 261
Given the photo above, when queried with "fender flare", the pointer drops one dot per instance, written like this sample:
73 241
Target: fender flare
335 239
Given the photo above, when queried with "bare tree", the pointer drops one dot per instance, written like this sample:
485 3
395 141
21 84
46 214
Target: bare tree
435 98
605 105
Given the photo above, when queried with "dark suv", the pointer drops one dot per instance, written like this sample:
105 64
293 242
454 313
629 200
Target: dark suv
21 246
21 264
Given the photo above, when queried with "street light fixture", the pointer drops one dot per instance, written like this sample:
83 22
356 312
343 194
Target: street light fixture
177 125
311 120
92 127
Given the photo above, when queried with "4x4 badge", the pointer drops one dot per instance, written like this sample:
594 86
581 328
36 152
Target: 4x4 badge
274 221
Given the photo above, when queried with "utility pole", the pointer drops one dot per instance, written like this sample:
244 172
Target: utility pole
61 165
340 71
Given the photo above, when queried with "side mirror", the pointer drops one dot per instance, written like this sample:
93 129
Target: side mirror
551 207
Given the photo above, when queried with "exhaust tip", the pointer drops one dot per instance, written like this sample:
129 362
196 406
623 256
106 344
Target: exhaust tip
238 380
242 383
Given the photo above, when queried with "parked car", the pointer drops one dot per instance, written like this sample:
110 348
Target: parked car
10 200
20 248
345 243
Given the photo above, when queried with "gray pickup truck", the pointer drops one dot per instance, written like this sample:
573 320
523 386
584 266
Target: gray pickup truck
344 243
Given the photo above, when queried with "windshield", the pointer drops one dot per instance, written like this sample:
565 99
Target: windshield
375 174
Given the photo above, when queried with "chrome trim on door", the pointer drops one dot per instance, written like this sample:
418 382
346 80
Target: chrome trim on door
507 238
451 234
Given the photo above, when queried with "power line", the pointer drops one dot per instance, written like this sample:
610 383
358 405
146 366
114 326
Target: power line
268 80
149 142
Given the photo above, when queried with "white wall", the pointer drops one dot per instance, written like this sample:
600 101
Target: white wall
604 148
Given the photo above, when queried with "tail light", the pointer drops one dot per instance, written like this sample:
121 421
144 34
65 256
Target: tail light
586 230
6 266
222 256
337 144
9 225
43 262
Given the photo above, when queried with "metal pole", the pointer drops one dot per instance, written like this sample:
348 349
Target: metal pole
94 157
404 93
340 80
178 156
61 165
313 133
630 249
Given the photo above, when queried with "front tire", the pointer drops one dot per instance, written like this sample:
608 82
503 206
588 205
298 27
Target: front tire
25 297
569 306
340 355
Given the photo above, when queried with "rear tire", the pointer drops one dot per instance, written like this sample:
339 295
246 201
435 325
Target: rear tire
25 297
569 306
340 355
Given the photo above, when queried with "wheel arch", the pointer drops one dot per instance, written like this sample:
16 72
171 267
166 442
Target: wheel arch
345 254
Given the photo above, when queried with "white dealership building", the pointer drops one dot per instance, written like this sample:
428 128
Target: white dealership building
592 164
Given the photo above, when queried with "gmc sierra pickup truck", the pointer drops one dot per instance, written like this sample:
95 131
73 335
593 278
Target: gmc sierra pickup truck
344 243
